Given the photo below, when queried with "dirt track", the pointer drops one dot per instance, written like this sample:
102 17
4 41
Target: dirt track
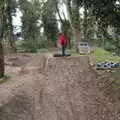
54 89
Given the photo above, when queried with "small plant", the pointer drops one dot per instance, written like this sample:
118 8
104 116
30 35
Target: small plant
4 79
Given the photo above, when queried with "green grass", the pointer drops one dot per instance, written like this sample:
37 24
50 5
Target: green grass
4 79
71 50
100 55
43 50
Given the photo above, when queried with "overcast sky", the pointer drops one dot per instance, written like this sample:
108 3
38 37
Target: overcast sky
17 18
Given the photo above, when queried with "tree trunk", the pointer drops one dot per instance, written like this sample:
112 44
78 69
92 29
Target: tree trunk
76 38
1 61
73 10
1 38
10 32
85 24
11 41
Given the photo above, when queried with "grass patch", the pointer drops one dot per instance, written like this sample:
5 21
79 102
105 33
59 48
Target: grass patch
71 50
43 50
4 79
100 55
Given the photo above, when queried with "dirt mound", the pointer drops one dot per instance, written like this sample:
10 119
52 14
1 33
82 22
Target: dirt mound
72 92
59 89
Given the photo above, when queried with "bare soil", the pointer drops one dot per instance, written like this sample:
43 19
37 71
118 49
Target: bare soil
47 88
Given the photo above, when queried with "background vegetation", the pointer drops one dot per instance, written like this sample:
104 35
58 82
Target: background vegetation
95 22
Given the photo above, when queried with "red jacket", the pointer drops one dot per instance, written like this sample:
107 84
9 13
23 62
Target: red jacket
62 40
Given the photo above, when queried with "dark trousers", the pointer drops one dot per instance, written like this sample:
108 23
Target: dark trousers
63 50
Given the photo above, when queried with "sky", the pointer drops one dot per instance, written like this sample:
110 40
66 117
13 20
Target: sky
17 21
17 18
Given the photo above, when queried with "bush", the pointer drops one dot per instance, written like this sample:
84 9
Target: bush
109 47
27 46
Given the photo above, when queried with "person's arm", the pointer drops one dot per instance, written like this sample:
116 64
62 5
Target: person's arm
59 44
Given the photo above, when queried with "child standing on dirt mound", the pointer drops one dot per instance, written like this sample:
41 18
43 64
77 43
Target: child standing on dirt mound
62 43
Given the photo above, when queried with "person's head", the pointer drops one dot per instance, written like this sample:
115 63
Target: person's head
60 33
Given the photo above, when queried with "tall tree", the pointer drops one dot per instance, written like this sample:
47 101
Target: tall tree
74 16
2 11
11 6
30 20
49 20
85 23
65 23
106 10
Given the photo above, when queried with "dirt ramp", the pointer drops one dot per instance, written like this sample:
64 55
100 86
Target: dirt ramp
72 92
67 89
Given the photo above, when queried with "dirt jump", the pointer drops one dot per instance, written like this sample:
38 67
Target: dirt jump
47 88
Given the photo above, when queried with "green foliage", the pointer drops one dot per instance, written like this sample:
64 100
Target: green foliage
36 15
2 10
30 20
109 47
101 13
42 50
11 6
99 51
98 15
4 79
49 21
10 9
28 46
106 11
1 75
75 15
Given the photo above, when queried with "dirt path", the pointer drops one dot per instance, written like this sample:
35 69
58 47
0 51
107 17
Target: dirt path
54 89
